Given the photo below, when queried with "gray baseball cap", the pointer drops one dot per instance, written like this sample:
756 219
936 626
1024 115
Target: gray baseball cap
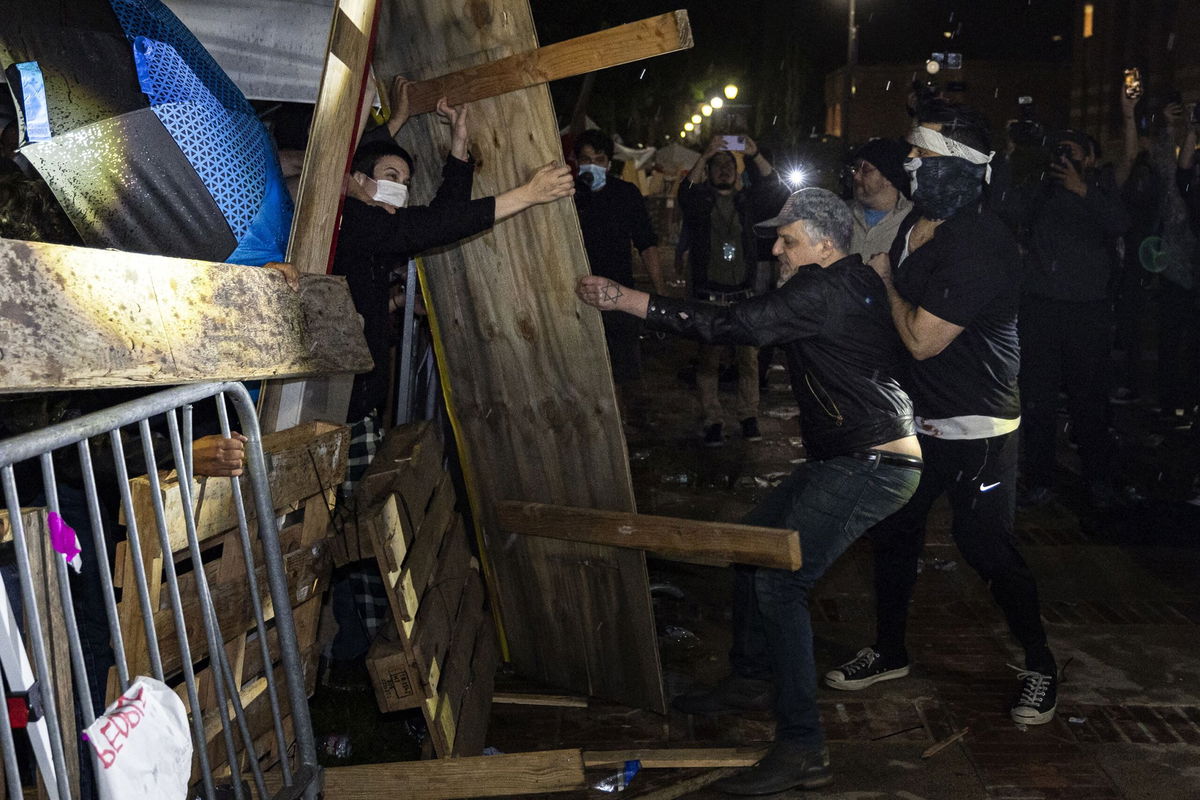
816 205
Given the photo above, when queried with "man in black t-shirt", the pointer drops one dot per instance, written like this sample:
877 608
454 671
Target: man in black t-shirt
954 295
612 215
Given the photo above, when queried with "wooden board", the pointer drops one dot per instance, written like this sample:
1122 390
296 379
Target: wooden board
338 118
522 367
508 775
633 41
679 758
301 462
43 574
76 318
667 537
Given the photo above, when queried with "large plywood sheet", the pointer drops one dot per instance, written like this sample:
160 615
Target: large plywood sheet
525 367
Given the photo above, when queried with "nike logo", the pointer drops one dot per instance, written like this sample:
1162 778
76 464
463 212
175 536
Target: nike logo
987 487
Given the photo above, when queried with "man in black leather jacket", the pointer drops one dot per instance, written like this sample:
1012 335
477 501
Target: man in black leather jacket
832 320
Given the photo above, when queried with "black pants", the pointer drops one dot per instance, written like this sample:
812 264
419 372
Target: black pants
1178 347
1065 344
980 477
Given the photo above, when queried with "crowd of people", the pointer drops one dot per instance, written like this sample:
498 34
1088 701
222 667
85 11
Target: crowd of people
931 321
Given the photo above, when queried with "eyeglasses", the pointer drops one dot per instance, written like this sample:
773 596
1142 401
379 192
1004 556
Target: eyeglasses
864 167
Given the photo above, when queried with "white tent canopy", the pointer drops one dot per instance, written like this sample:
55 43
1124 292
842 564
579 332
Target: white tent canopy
272 49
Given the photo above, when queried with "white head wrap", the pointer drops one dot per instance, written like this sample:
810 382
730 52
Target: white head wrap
932 140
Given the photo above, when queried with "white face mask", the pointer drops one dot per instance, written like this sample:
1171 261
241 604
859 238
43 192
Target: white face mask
390 192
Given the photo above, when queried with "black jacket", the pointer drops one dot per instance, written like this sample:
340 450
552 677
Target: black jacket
762 200
842 350
372 242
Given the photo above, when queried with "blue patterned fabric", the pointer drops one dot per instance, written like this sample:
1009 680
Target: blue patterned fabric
215 127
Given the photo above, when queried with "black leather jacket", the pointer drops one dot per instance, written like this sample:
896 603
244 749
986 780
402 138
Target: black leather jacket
842 349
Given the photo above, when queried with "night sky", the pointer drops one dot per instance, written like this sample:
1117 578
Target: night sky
765 45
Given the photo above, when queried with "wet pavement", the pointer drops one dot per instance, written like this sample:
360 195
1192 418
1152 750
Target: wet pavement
1121 600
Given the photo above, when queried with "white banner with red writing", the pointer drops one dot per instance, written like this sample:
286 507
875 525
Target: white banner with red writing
142 743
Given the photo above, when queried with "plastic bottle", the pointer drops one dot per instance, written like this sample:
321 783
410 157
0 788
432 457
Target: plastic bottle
620 779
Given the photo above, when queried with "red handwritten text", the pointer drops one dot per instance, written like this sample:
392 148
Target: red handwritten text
117 725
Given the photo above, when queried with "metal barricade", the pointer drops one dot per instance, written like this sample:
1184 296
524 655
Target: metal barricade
298 776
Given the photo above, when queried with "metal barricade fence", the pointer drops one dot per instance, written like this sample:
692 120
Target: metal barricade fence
298 778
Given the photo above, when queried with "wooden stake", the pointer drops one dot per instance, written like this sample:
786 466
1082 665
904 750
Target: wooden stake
655 36
944 743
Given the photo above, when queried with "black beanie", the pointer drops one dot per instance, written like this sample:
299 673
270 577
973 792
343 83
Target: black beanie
887 156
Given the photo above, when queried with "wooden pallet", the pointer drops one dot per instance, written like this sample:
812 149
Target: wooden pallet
305 464
441 654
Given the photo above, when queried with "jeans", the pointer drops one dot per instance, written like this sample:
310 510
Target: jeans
980 477
831 503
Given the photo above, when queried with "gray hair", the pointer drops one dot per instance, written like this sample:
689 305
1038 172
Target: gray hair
824 214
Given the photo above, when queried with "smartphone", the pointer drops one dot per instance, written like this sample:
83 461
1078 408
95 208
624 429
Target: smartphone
733 143
1133 83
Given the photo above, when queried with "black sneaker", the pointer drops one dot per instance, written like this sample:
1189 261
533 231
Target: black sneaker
750 430
1038 700
863 670
714 435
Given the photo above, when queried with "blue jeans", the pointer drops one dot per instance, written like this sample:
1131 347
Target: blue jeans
831 503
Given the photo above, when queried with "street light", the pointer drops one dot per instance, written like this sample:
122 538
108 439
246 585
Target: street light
731 92
683 134
706 110
716 102
689 127
697 119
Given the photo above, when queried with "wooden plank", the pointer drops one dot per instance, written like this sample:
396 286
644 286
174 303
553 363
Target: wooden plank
44 577
395 458
534 419
433 628
508 775
456 674
301 461
678 758
332 137
427 543
666 537
688 785
79 318
388 540
655 36
338 119
552 700
475 704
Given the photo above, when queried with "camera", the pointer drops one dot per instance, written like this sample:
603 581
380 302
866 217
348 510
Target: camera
1026 131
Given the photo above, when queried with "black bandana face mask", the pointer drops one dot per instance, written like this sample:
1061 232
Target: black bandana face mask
943 185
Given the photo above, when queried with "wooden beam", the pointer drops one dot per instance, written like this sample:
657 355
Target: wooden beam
667 537
688 785
338 119
509 775
79 318
534 420
552 700
655 36
679 758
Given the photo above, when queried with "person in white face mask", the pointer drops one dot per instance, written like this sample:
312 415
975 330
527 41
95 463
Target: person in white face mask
382 228
612 216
